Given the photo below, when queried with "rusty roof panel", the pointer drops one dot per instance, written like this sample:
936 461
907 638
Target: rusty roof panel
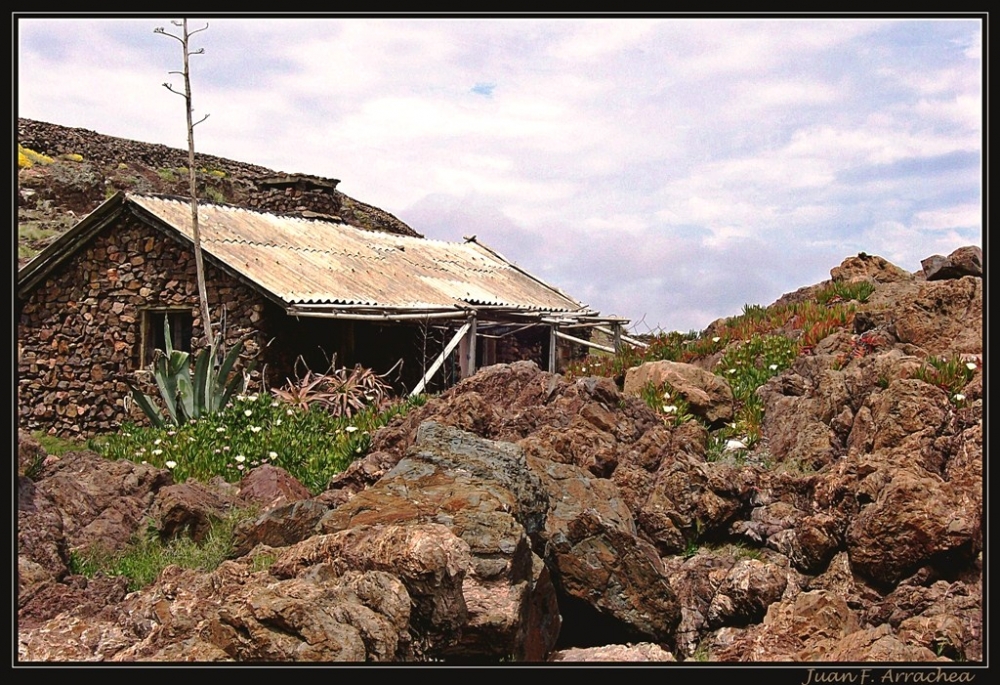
308 261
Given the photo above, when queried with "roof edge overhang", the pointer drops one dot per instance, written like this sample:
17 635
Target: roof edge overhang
582 317
63 247
536 279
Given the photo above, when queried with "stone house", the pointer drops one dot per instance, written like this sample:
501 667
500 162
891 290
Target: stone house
309 292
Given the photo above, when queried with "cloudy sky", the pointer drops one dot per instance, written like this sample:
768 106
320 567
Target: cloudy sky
667 169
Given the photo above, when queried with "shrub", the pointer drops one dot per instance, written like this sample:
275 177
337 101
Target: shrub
27 158
666 402
213 195
842 291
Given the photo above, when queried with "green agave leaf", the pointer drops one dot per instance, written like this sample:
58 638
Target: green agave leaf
167 384
185 395
146 404
203 382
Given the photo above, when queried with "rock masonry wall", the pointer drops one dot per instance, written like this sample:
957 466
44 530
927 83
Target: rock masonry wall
80 331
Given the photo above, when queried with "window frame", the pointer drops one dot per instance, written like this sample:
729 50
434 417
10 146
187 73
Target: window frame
181 331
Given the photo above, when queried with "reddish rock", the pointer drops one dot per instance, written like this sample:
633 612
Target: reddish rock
269 486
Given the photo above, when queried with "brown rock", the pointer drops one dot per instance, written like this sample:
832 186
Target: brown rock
269 486
746 592
914 520
869 267
280 527
100 501
708 396
188 509
428 558
965 261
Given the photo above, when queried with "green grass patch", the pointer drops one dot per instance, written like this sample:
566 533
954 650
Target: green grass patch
167 174
146 555
55 445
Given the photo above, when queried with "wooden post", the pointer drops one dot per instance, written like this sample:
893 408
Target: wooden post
618 337
467 350
552 347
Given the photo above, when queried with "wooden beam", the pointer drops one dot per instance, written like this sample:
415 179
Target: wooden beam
553 332
630 341
603 348
448 349
468 350
472 344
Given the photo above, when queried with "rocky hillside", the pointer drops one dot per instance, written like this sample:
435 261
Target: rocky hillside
526 516
65 173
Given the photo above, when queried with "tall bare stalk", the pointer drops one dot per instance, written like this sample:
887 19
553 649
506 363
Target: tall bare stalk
199 262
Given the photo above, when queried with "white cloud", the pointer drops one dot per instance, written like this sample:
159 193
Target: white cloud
590 40
957 217
661 168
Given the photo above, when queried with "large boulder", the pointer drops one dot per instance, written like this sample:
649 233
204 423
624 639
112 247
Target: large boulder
913 520
429 560
610 577
483 492
708 395
101 502
965 261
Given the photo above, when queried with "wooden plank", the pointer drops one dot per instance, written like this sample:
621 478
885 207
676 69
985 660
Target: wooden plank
448 349
603 348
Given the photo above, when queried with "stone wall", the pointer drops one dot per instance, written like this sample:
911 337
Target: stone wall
79 331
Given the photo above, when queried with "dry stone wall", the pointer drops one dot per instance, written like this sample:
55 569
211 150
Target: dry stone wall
80 330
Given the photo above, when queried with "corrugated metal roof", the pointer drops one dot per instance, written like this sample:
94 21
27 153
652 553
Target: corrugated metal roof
316 262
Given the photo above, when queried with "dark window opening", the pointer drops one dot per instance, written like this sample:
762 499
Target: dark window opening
154 332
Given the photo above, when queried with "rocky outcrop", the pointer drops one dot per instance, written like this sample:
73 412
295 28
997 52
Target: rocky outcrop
85 164
485 494
522 516
869 267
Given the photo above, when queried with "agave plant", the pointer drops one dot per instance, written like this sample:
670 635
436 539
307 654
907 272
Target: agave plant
304 391
186 397
341 391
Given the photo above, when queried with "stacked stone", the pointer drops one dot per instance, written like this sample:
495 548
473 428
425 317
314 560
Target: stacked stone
72 376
